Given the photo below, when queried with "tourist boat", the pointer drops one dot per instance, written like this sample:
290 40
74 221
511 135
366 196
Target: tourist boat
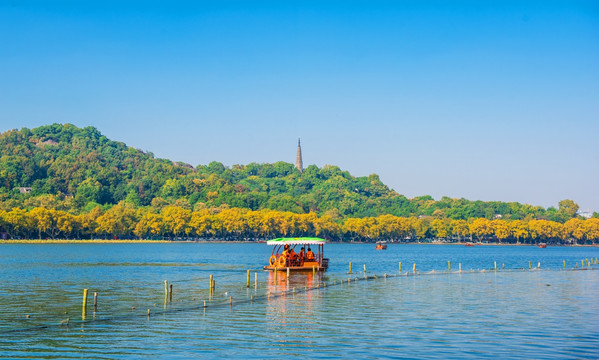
469 244
381 245
279 262
542 245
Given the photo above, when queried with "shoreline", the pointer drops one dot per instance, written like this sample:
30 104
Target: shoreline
146 241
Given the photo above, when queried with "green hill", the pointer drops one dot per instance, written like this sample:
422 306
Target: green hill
75 169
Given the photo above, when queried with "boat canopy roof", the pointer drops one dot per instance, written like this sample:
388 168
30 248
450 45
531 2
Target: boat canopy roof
296 241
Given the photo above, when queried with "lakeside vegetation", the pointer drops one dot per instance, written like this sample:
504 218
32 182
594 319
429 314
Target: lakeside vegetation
60 181
123 221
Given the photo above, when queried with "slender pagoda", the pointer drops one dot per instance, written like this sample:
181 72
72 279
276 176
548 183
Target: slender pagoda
298 159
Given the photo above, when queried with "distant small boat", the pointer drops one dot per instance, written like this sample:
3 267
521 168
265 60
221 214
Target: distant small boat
469 244
542 245
381 245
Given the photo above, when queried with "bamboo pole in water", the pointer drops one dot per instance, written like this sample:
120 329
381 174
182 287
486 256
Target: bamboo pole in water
400 267
84 298
349 268
248 279
95 301
84 309
449 266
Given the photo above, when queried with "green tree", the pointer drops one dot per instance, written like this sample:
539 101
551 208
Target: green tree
567 209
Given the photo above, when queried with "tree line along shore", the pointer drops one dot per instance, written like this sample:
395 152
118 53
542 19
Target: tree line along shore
124 221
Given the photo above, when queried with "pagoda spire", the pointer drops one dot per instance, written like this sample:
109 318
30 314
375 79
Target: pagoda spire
298 159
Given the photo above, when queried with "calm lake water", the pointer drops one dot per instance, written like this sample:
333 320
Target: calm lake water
544 313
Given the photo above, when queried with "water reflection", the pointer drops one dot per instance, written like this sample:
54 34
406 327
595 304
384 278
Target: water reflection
290 310
296 279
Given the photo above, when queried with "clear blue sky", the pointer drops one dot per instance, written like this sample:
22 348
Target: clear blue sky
489 100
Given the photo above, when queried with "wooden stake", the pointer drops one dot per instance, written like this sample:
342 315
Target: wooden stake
95 301
414 268
255 279
165 289
449 266
248 279
400 267
349 268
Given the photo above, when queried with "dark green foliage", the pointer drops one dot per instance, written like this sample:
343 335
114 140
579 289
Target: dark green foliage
68 161
84 168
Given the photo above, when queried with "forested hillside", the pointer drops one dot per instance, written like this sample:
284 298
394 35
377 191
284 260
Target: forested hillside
75 169
60 181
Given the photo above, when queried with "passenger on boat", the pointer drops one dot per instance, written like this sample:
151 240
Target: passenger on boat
285 251
301 256
292 257
310 255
